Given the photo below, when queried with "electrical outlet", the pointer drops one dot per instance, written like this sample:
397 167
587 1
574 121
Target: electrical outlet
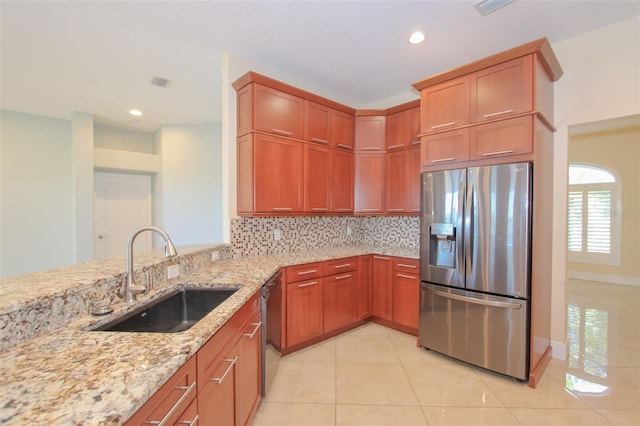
277 234
173 271
349 230
215 255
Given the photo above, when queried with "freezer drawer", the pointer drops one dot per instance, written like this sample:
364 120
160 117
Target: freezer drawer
487 331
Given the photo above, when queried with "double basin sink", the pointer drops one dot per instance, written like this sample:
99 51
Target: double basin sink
172 313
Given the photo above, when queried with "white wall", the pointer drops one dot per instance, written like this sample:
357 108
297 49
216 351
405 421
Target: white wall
600 81
188 191
37 228
122 139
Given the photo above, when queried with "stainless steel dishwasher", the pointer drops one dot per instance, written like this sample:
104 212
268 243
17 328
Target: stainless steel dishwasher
271 304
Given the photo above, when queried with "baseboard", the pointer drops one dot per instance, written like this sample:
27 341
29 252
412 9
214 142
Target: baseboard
559 350
605 278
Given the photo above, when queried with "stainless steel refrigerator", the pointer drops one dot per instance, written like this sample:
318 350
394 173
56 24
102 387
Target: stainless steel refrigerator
475 261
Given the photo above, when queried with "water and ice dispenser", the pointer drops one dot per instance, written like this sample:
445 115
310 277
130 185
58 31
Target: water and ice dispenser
442 245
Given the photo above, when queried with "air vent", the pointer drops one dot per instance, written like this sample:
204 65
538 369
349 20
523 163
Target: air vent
159 81
486 7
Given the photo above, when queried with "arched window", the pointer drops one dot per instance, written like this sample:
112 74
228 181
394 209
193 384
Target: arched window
593 225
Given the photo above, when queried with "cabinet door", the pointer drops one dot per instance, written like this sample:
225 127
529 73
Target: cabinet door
445 105
304 311
278 112
245 186
317 178
339 300
397 130
363 300
248 370
369 182
342 130
341 181
397 190
502 90
278 179
502 138
370 133
317 122
216 399
414 126
406 293
414 179
382 287
447 147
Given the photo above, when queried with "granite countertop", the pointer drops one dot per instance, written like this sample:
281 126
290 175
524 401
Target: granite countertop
72 376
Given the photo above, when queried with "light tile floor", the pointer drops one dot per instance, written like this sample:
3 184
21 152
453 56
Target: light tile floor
377 376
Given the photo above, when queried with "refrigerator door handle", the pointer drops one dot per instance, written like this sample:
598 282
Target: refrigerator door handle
494 303
468 225
460 235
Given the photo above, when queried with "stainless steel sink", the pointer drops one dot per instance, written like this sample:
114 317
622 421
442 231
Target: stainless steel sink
175 312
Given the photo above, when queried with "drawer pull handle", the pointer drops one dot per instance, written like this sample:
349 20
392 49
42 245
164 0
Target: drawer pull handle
344 210
319 209
415 142
442 160
319 140
232 362
412 277
193 422
310 271
185 395
508 151
308 284
395 210
439 126
370 148
343 277
381 257
396 146
404 265
282 132
281 208
341 145
370 210
342 266
493 114
250 335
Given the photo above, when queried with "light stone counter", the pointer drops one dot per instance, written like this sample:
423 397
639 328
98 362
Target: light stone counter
71 376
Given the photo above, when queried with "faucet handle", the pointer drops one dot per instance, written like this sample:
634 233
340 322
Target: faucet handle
149 285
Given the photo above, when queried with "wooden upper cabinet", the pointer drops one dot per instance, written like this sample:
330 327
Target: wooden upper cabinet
342 173
317 178
445 105
342 130
277 175
317 122
502 90
370 169
370 132
397 182
502 138
415 171
278 112
414 125
447 147
397 130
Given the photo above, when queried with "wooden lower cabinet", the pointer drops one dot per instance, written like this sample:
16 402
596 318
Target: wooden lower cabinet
173 401
304 310
248 377
382 287
406 292
216 399
363 290
339 300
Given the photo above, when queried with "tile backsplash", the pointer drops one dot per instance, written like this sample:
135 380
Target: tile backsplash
258 236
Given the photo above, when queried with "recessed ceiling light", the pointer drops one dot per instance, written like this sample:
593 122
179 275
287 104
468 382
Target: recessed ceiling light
135 112
417 37
486 7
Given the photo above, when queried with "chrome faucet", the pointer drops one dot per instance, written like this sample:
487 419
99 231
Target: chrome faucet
130 288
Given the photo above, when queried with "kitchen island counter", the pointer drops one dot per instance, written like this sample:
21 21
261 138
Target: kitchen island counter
72 376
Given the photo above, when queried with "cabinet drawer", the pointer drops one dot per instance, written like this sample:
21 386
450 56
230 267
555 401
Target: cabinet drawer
407 265
306 271
338 266
171 400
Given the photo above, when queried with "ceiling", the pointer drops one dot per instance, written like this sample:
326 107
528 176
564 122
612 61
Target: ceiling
99 57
